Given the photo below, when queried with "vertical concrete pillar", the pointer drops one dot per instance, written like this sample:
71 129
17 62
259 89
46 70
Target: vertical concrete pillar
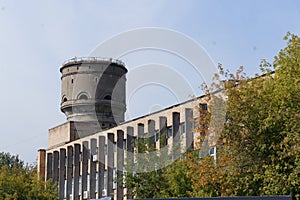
129 154
130 145
176 136
162 132
101 165
120 164
175 123
84 169
62 172
41 163
93 168
151 132
55 166
110 163
49 166
76 171
140 137
189 120
69 171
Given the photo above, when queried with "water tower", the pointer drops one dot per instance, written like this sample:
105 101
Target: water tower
93 90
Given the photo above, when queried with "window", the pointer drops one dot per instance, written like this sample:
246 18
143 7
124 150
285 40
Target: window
156 135
169 132
124 176
124 144
114 178
88 183
107 97
97 176
65 189
182 128
105 149
65 99
83 96
105 180
79 184
212 151
203 106
153 139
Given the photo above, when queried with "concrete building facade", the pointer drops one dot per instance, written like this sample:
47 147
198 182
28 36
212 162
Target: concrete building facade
86 153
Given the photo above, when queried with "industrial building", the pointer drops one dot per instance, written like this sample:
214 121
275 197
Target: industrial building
85 154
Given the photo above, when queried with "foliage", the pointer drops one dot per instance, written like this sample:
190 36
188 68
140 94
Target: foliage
20 182
10 160
142 179
258 147
151 176
259 152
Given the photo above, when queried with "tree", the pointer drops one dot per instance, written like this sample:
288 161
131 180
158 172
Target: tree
154 175
18 181
10 160
144 177
262 132
282 173
258 147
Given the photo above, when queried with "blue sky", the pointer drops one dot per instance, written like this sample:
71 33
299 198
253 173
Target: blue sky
38 36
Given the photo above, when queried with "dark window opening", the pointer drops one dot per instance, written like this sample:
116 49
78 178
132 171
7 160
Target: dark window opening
169 131
83 96
203 106
65 99
107 97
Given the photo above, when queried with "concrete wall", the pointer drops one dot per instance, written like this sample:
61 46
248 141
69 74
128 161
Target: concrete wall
97 155
59 135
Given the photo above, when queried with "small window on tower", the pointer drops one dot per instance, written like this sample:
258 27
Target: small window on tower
107 97
83 96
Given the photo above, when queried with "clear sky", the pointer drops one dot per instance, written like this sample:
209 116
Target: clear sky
38 36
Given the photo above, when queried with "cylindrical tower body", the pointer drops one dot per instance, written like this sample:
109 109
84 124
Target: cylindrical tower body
93 89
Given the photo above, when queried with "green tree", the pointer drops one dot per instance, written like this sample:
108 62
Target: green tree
258 151
18 181
144 177
258 147
10 160
262 132
177 177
